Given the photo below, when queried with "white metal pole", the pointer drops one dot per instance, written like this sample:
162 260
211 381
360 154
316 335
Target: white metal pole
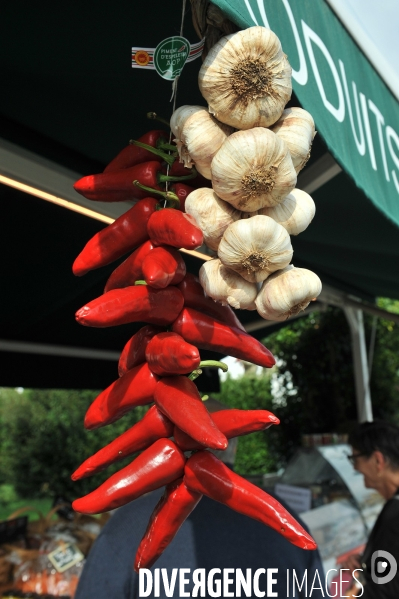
360 362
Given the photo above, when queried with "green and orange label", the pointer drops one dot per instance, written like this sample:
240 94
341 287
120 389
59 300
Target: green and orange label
168 58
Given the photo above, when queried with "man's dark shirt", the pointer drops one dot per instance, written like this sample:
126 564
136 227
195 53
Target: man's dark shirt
384 536
213 536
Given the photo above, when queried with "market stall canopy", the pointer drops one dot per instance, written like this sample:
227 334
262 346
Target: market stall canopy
71 101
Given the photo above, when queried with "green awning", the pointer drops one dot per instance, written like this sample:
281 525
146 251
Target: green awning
354 111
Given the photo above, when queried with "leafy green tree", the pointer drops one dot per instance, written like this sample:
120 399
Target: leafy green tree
43 441
313 386
384 375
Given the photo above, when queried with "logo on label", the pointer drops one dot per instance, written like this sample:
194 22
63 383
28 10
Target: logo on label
170 57
142 58
383 567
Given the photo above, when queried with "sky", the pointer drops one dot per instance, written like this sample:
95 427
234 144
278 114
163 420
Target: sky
381 22
377 22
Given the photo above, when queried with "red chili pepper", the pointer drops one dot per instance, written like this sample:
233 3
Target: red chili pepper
163 266
158 465
194 297
153 426
178 398
124 234
182 191
130 271
175 505
168 354
133 353
175 228
138 303
207 333
118 186
135 388
204 473
232 423
132 155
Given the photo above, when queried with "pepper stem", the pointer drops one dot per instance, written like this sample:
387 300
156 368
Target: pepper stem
207 364
164 178
166 157
195 374
163 145
213 364
140 282
154 117
169 196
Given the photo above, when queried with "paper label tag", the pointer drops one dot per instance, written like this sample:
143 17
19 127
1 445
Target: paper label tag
168 58
65 556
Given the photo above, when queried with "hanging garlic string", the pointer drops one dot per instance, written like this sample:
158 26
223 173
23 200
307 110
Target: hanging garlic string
174 90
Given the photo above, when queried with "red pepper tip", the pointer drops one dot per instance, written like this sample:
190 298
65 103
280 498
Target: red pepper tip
91 423
82 472
83 184
79 268
76 504
220 442
81 314
308 543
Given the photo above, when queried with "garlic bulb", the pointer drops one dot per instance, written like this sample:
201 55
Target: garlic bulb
255 247
295 213
198 137
296 128
226 286
287 292
180 116
212 214
253 169
246 79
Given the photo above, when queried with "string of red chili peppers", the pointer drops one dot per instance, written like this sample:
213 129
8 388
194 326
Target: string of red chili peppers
152 286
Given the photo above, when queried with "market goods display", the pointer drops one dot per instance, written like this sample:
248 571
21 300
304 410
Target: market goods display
45 557
226 180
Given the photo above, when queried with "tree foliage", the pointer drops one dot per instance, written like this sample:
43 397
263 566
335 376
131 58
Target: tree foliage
314 388
43 441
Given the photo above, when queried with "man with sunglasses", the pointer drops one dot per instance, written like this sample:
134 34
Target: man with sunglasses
375 454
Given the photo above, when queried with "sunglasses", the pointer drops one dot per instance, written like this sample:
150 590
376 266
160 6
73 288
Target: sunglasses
353 457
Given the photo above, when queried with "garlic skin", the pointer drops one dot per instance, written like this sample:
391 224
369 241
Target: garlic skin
253 169
246 79
255 247
226 286
198 136
295 213
177 121
286 293
180 116
296 128
212 214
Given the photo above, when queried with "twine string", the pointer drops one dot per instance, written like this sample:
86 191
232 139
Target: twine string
174 86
